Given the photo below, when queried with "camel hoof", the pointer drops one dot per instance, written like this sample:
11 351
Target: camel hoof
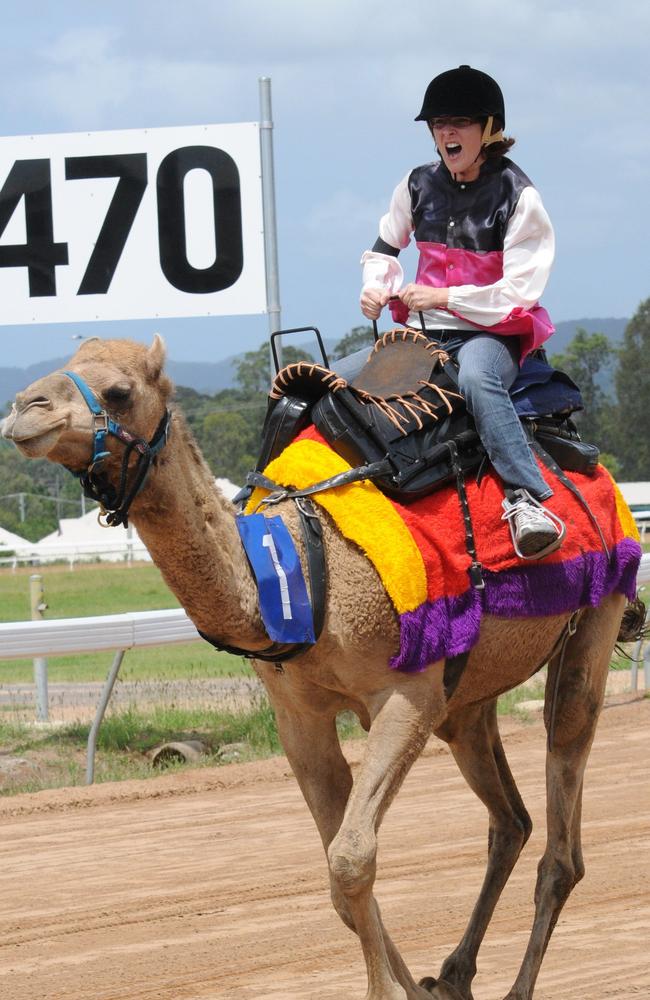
440 990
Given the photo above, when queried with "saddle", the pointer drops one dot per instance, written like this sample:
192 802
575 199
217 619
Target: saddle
402 408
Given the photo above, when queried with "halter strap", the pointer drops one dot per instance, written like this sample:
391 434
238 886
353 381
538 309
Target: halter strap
116 502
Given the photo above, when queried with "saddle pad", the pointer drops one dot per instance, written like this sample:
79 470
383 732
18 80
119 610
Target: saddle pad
419 551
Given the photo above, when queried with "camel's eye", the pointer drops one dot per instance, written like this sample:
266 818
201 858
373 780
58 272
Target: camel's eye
118 394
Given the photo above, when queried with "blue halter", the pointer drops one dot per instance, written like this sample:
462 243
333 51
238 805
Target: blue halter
116 502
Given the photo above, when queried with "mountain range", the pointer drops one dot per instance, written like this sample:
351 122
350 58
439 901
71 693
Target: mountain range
210 377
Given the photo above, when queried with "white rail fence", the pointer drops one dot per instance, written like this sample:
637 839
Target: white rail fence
138 629
115 633
76 552
67 636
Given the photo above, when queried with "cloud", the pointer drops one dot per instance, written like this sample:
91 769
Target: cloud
200 61
348 79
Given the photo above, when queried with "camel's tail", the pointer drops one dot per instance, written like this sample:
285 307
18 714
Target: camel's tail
633 624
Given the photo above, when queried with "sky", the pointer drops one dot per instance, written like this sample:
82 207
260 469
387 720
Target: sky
347 82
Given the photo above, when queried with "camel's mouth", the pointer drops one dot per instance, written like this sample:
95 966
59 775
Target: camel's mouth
33 432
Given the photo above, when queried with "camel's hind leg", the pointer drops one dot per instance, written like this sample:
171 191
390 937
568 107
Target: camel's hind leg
474 739
580 696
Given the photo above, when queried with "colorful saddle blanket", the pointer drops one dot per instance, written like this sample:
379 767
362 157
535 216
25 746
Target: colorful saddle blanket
419 550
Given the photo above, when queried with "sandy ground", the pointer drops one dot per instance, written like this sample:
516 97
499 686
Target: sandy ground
211 884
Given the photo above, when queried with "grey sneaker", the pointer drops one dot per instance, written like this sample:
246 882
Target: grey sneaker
536 531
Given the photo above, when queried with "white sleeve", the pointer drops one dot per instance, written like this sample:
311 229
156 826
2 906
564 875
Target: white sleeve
528 252
397 225
395 228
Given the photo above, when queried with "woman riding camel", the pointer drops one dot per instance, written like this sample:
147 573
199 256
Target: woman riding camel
486 249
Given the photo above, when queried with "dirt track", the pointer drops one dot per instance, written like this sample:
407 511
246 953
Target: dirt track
212 884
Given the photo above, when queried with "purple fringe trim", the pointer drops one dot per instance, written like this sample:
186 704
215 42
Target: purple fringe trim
450 626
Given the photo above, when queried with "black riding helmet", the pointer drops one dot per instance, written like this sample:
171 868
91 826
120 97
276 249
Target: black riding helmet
463 92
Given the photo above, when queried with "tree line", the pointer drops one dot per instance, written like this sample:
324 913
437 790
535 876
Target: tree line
614 380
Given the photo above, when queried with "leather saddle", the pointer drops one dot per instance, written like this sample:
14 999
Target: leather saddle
403 405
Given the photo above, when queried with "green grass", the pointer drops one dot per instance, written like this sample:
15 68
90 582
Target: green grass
57 758
530 692
186 661
94 589
623 661
107 589
137 731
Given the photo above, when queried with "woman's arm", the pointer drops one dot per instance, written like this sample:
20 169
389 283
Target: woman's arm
382 272
528 252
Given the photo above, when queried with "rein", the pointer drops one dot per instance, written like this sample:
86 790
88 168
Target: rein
115 503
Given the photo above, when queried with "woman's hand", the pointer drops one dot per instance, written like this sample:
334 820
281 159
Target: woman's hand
373 301
420 298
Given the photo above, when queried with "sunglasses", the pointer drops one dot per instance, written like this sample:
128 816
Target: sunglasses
449 122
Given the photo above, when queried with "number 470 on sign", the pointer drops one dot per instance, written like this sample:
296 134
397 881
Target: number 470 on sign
110 218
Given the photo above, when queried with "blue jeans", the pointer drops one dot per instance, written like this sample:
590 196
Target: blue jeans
488 366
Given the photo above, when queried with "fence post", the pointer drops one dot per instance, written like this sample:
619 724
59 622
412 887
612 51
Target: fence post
38 606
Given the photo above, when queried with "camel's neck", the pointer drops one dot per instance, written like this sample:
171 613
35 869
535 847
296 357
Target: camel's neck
190 532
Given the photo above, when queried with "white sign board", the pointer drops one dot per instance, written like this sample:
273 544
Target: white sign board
131 224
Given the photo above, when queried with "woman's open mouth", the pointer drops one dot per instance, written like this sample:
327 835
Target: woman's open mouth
453 150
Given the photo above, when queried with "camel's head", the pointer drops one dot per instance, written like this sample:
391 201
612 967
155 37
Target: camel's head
51 419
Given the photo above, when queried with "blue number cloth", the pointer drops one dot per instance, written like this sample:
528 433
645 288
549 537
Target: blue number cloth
284 604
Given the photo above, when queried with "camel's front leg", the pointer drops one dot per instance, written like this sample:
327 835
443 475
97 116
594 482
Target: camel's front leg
312 747
402 717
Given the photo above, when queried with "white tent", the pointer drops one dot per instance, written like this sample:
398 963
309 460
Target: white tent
9 541
79 538
228 489
84 537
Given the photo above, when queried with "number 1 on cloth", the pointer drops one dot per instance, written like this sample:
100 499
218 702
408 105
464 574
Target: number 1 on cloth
284 604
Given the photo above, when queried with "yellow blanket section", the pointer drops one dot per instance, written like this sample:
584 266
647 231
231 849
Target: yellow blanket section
362 514
625 516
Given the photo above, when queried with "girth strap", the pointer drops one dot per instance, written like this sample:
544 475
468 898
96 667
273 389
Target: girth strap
559 650
454 667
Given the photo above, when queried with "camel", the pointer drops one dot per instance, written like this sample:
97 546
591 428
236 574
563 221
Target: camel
189 529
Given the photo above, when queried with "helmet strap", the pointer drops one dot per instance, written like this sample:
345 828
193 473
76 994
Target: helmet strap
488 137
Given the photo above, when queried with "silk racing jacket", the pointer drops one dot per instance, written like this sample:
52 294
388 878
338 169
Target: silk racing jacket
490 241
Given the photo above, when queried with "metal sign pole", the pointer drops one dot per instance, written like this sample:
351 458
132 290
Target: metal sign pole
268 208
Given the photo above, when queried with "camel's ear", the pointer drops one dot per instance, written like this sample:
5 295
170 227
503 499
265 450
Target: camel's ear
156 357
